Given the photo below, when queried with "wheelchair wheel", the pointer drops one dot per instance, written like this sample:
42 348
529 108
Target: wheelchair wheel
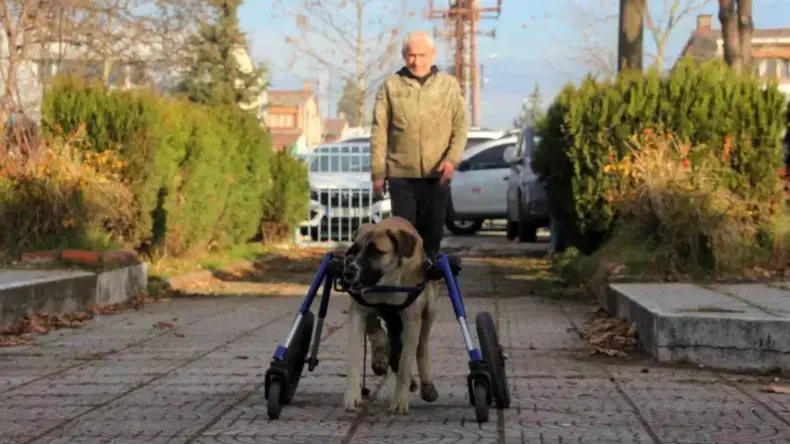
494 358
296 357
481 402
273 405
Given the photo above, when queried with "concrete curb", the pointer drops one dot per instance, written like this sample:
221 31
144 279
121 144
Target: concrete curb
687 323
30 292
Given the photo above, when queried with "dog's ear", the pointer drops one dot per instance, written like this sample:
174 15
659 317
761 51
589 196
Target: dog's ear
403 242
364 228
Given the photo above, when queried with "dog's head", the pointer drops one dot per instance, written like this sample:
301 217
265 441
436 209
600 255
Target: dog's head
379 251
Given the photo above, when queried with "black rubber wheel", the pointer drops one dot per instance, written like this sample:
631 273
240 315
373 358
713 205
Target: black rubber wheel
472 227
273 405
481 403
494 358
512 230
296 356
526 232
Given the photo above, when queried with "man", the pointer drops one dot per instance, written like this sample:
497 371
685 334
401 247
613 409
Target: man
418 134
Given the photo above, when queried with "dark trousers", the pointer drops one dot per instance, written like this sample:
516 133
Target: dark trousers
423 202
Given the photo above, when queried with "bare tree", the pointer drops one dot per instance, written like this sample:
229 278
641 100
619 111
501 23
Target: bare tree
596 36
356 40
630 36
737 29
661 23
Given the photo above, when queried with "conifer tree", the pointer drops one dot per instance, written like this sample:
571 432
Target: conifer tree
214 75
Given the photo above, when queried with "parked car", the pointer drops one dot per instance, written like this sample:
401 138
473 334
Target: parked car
479 185
527 203
341 192
476 136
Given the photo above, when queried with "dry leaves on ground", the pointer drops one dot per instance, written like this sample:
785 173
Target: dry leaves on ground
780 389
24 331
610 336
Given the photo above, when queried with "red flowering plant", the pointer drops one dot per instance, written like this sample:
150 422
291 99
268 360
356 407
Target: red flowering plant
678 201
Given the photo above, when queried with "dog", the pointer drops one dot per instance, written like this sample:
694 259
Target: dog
390 253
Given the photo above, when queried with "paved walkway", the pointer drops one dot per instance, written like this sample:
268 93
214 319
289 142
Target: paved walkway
131 379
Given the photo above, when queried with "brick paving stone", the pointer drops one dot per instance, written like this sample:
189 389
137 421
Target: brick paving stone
122 379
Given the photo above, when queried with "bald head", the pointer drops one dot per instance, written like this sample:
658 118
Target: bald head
419 52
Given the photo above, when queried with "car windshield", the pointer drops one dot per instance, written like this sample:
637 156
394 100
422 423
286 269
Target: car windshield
340 160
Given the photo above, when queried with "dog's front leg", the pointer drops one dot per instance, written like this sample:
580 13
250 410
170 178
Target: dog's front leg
356 334
411 336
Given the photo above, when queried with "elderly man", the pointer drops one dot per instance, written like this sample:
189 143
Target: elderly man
417 136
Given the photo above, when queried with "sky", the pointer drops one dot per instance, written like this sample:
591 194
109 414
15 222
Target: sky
537 42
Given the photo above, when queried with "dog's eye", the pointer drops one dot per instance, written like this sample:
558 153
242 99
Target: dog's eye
372 250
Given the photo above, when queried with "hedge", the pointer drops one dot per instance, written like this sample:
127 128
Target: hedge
200 176
703 103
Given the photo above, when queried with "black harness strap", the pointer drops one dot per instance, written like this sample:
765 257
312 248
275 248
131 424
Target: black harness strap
390 313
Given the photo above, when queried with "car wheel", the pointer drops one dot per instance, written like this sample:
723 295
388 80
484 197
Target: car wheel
464 227
526 231
511 232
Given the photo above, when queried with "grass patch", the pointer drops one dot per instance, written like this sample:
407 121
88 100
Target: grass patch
168 267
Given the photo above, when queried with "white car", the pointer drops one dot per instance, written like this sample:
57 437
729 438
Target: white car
527 202
479 187
341 192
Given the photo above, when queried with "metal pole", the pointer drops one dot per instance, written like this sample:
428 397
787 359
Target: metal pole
474 66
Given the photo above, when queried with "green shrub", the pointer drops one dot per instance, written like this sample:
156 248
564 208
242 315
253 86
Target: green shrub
62 198
286 205
200 176
705 104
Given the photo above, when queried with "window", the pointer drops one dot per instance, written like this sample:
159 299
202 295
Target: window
281 120
490 159
784 69
332 161
771 68
472 141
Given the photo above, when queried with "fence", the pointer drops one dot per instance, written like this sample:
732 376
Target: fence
341 195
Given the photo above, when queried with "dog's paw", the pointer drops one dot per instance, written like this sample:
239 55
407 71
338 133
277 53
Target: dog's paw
399 405
428 392
352 400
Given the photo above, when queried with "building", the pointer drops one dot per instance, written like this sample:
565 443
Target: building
770 50
294 119
146 64
335 129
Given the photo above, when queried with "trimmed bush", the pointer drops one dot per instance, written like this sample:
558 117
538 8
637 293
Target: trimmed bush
200 176
286 205
706 104
63 197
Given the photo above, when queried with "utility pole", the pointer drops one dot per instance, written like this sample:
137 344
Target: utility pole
462 26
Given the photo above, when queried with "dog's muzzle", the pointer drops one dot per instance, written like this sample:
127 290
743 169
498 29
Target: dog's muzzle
350 273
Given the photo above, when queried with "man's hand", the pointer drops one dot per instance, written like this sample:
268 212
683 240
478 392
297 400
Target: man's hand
378 188
447 169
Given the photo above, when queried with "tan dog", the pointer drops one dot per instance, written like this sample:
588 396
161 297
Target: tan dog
391 253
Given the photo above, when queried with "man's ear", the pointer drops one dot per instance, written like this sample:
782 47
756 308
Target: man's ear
404 242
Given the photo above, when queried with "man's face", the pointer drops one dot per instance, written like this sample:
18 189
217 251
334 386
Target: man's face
419 57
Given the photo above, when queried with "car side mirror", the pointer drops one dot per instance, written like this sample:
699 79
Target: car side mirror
463 166
510 156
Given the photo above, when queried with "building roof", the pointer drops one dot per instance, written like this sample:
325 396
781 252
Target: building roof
334 126
285 139
292 97
703 42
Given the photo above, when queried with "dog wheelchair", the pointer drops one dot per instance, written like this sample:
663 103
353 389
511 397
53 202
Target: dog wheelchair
487 379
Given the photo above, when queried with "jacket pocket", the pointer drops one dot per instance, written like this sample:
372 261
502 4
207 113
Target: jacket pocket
401 109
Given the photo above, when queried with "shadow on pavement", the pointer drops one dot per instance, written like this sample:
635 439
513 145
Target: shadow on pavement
506 273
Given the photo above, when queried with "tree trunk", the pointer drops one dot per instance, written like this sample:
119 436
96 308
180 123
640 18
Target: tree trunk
729 33
745 31
630 39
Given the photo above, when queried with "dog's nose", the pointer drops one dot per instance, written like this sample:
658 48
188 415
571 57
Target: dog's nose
350 272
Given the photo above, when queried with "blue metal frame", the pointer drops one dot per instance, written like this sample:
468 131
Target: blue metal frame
325 276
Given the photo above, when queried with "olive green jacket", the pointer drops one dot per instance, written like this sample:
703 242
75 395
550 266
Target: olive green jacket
417 127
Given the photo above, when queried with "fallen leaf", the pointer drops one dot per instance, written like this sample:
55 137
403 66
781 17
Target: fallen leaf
164 325
773 388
